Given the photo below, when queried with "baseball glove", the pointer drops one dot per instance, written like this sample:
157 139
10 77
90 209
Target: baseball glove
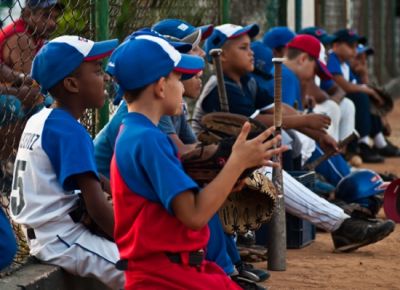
250 207
218 125
386 107
205 162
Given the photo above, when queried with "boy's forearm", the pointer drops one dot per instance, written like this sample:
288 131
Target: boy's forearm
97 206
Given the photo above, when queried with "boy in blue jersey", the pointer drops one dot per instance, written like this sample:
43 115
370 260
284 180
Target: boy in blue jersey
55 164
368 125
168 222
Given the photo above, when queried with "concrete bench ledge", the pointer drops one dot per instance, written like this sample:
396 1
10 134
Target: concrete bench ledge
46 277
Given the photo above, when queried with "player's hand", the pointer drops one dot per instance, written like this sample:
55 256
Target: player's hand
317 121
374 96
328 143
258 151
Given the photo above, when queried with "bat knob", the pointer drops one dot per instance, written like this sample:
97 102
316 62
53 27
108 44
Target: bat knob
215 52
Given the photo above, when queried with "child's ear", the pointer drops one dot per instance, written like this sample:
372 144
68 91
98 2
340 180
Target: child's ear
159 88
71 84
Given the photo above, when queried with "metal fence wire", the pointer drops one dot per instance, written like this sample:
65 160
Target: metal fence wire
22 30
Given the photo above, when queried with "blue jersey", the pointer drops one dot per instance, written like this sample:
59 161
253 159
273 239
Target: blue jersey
147 161
291 88
244 98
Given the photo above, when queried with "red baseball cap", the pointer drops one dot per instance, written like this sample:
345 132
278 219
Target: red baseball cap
391 201
312 47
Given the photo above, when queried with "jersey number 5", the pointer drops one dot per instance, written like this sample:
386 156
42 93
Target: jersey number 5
17 204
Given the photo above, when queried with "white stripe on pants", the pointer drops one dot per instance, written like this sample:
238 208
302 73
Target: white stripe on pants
305 204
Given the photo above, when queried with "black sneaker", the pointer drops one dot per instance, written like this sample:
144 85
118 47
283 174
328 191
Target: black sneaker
248 239
355 233
248 271
389 150
369 155
246 284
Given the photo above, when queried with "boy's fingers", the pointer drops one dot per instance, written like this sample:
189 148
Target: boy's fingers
264 135
244 132
271 143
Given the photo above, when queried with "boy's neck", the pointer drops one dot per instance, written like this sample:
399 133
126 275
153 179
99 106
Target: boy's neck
149 109
291 65
233 76
75 110
341 59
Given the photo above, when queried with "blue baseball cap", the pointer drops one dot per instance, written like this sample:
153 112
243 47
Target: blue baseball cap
34 4
183 31
224 32
365 49
319 33
61 56
346 35
278 37
144 59
262 58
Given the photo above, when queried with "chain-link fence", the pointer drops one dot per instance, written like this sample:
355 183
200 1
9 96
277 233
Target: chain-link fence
24 28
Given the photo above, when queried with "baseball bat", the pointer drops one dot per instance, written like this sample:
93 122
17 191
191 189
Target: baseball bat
223 99
346 141
277 225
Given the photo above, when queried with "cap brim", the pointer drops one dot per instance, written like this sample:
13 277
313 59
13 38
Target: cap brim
365 49
327 39
252 30
194 38
206 31
101 49
391 201
189 65
323 71
181 46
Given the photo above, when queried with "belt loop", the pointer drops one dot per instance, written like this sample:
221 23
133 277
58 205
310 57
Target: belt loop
185 259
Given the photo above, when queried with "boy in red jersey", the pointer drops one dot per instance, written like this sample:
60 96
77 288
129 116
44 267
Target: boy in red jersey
162 239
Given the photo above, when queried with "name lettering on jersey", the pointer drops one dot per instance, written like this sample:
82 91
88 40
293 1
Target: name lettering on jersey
28 140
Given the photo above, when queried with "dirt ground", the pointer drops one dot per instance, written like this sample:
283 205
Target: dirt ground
375 266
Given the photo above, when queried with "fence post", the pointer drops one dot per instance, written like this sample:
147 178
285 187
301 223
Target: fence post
101 33
298 15
226 4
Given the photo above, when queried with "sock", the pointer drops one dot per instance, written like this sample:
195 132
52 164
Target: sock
380 141
364 140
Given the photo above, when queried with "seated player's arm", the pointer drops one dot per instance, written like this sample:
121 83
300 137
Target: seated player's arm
354 88
105 183
292 119
182 148
336 93
319 95
99 209
195 210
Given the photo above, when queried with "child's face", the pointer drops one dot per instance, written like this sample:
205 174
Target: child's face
193 86
359 62
43 21
90 78
345 50
307 67
173 91
237 55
